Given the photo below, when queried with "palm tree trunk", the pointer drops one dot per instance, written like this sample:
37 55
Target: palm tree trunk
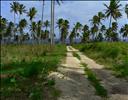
52 21
14 23
110 21
51 25
42 11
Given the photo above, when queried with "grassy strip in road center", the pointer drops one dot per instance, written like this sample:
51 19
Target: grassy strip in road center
76 55
100 90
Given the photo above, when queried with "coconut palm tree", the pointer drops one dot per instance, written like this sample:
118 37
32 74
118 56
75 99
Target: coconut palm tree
108 34
33 28
114 26
14 9
111 33
42 18
59 24
86 33
113 10
94 31
95 20
72 35
9 30
124 31
101 16
21 10
52 18
38 30
78 27
46 24
32 13
3 27
126 10
103 30
22 25
64 30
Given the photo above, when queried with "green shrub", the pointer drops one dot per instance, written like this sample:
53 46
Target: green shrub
32 69
110 52
121 69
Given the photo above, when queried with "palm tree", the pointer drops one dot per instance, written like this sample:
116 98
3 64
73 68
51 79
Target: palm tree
3 26
22 25
52 19
94 30
114 26
126 10
86 33
72 35
64 30
59 24
14 8
10 28
111 33
95 20
101 16
43 3
31 14
78 27
46 24
103 30
113 10
108 34
33 28
39 25
124 31
21 10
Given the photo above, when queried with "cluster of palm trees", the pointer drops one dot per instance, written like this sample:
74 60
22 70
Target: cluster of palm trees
98 31
11 29
45 29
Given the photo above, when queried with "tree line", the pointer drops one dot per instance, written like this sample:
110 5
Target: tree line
41 30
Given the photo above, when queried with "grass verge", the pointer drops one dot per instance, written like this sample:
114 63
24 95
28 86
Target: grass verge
25 70
76 55
100 90
113 55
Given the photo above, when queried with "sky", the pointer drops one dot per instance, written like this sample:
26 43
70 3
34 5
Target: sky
74 11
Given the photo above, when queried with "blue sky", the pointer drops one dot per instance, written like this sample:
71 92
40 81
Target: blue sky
74 11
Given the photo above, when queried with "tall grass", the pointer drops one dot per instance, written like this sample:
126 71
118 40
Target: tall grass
24 70
114 55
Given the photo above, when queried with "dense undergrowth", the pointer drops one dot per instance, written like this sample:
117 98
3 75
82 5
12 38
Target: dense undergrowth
114 55
24 71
